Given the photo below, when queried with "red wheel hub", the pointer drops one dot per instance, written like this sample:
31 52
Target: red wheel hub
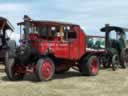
47 69
94 66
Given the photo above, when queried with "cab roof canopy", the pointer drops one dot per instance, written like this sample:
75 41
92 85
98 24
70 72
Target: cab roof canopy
5 24
48 23
109 28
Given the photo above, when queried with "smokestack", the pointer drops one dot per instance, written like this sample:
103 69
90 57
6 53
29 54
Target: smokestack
27 20
107 36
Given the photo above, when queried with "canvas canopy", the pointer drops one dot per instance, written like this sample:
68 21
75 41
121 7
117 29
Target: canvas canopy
5 24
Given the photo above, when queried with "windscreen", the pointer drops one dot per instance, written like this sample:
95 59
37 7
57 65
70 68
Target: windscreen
43 31
46 31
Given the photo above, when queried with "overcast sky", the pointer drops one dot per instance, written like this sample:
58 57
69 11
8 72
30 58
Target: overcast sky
90 14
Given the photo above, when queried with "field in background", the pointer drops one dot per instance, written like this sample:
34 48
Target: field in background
106 83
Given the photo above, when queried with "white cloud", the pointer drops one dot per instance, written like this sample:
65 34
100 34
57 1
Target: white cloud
12 7
90 14
14 13
93 14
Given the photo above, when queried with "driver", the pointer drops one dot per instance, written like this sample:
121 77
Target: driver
121 40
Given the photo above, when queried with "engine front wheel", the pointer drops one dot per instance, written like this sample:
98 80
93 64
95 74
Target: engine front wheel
45 69
14 72
115 62
124 58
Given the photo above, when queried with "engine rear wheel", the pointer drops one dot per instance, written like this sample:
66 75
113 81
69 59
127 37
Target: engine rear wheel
45 69
90 66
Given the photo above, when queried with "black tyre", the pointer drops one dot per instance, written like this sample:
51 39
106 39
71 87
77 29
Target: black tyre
124 58
12 70
115 62
45 69
90 66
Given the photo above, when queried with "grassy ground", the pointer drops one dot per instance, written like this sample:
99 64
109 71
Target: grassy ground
106 83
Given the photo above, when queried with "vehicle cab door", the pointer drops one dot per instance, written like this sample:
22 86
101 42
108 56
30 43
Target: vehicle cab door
73 39
62 45
68 46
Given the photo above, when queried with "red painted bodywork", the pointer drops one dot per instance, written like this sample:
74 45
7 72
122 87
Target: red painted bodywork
73 50
65 49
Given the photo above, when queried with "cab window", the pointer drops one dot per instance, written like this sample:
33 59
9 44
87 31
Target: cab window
113 35
43 31
69 33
